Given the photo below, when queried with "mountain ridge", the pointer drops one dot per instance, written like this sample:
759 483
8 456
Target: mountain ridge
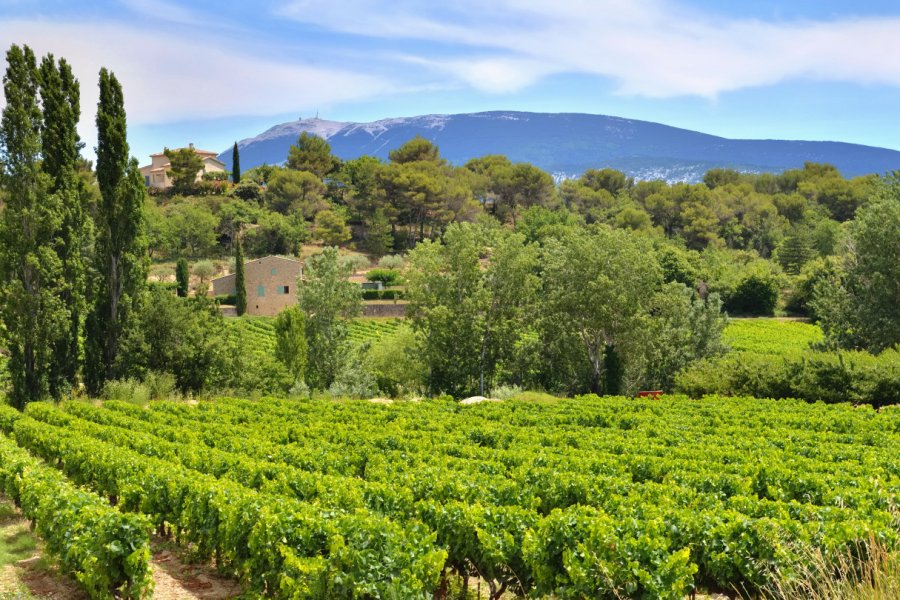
566 144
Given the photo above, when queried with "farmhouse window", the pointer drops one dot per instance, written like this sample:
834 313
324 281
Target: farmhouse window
260 290
274 271
284 289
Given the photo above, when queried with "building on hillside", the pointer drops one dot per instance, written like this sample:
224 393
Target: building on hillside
156 174
271 284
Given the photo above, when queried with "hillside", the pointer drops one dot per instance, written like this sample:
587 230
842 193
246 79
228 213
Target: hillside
566 144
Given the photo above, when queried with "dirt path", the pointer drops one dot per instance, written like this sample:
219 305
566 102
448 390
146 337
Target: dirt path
26 575
177 580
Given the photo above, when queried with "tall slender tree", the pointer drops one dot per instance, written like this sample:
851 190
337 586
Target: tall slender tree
240 281
235 164
60 146
33 314
121 240
182 277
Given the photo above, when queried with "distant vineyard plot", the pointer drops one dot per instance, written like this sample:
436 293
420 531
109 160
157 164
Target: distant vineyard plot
771 336
758 336
258 333
585 497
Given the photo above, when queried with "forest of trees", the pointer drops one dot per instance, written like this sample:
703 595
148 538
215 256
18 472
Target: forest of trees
755 239
599 283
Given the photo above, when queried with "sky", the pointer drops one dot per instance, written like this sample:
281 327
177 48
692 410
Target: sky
210 73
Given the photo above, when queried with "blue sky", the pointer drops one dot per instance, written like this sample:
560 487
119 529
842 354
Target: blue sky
214 72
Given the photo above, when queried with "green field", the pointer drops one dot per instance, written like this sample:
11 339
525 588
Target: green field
770 336
586 497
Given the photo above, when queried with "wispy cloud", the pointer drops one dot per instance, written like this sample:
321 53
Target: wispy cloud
169 78
652 48
163 10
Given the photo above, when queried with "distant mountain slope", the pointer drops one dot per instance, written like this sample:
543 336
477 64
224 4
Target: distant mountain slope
566 144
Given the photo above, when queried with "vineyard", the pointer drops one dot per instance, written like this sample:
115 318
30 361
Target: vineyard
586 497
258 333
758 336
771 336
371 330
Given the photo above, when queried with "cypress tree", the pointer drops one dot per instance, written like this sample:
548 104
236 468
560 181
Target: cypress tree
121 246
182 277
33 314
60 147
235 164
240 283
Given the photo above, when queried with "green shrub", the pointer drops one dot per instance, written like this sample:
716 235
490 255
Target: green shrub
396 363
166 286
215 176
505 392
161 386
248 190
383 294
756 294
126 390
857 377
387 276
391 261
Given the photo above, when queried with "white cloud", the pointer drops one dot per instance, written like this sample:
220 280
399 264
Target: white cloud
653 48
169 79
494 75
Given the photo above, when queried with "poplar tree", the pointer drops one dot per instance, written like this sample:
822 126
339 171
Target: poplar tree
121 241
235 164
60 146
240 282
33 314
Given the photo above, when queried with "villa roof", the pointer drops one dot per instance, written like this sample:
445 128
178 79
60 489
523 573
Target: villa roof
197 150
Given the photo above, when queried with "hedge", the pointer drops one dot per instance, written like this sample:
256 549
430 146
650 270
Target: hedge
383 294
856 377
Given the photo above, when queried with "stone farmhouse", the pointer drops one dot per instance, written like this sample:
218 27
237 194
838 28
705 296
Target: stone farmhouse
271 284
156 174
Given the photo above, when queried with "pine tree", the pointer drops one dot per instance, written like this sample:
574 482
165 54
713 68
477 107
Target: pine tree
33 314
235 164
795 251
240 283
182 277
121 261
185 166
379 237
60 147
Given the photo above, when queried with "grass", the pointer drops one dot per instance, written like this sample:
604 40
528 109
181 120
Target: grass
868 572
22 593
16 541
